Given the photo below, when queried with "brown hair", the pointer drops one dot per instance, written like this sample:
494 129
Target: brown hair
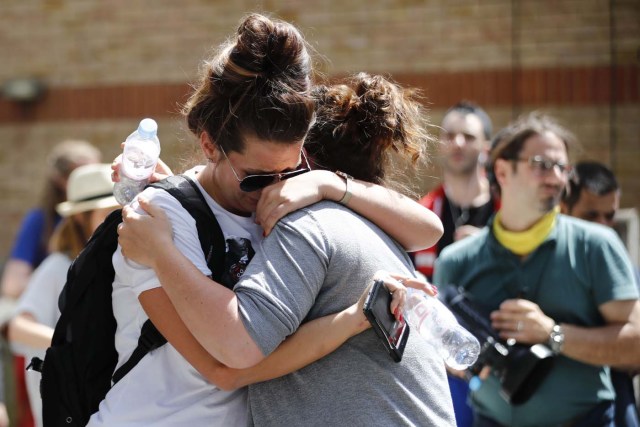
258 83
71 235
367 128
61 161
509 142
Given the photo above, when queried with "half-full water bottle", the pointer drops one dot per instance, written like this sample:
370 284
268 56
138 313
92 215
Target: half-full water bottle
139 159
434 322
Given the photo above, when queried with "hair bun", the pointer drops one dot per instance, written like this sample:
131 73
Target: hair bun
264 49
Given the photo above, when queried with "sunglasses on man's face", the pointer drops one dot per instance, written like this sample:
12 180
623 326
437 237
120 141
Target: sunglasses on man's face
258 181
542 166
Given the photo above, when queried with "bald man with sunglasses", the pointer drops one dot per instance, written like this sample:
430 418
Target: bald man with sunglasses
547 279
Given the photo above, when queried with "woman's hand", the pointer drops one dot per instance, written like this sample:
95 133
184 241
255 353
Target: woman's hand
141 236
161 171
397 285
279 199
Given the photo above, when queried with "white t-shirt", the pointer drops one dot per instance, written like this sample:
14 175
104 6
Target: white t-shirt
40 299
163 389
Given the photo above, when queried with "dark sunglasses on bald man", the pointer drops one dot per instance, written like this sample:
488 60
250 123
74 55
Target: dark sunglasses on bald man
258 181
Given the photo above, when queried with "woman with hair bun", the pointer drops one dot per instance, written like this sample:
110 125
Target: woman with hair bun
317 260
251 111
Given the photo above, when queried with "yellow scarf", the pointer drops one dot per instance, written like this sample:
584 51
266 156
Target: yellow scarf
525 242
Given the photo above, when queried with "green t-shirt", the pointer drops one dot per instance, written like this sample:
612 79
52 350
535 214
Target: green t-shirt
579 267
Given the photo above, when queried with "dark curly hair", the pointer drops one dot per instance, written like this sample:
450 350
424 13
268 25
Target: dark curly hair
365 126
259 83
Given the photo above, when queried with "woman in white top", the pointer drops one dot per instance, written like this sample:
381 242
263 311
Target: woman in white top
89 201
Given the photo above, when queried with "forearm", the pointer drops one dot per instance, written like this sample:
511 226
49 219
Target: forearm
24 329
209 310
311 342
15 278
614 345
412 225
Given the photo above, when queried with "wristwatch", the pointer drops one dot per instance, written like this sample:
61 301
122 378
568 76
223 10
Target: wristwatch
556 339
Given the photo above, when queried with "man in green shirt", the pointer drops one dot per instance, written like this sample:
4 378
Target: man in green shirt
550 279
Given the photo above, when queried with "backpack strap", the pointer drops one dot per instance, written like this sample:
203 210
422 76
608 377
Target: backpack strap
150 339
213 245
209 232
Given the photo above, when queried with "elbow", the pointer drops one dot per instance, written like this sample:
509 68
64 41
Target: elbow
437 230
224 378
240 358
430 236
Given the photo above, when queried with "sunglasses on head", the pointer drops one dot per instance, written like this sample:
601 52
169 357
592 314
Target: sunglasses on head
258 181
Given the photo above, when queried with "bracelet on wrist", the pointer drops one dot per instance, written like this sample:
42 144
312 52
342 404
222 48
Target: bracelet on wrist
347 192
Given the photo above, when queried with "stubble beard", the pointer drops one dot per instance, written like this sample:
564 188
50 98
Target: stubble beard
462 169
548 203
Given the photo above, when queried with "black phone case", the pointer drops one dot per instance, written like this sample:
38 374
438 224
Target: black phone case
393 334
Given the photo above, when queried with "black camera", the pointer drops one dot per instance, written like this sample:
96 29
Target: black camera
519 368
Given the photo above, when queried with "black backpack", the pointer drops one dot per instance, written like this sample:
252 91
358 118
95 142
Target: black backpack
78 368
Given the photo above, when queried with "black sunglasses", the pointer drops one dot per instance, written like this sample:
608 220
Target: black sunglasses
258 181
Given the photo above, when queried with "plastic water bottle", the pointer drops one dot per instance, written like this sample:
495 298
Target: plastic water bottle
434 322
139 159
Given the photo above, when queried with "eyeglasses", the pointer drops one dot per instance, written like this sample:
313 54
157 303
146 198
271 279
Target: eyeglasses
258 181
541 166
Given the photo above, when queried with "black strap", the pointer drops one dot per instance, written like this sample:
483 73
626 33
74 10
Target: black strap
150 339
213 245
209 231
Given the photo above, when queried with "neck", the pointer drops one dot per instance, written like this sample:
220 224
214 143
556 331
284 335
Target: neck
514 219
523 242
470 190
206 177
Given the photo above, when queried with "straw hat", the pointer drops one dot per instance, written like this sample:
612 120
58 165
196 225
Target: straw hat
89 187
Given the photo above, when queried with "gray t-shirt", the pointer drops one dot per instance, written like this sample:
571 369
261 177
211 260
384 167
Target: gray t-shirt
317 261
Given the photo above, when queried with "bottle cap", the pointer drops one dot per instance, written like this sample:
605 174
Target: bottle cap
148 128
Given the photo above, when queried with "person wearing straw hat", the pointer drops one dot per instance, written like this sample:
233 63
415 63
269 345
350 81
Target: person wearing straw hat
89 200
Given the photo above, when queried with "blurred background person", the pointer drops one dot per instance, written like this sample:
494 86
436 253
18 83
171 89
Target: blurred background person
30 248
527 265
30 331
463 202
32 239
593 194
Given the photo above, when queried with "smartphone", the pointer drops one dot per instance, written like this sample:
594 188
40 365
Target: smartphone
392 333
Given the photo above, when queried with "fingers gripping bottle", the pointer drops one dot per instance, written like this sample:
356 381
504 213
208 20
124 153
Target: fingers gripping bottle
435 323
139 159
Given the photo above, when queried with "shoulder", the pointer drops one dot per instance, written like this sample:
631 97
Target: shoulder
584 231
325 224
33 221
466 248
160 197
56 261
176 213
34 215
53 269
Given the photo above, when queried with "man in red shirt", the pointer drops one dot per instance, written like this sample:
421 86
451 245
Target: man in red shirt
463 201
